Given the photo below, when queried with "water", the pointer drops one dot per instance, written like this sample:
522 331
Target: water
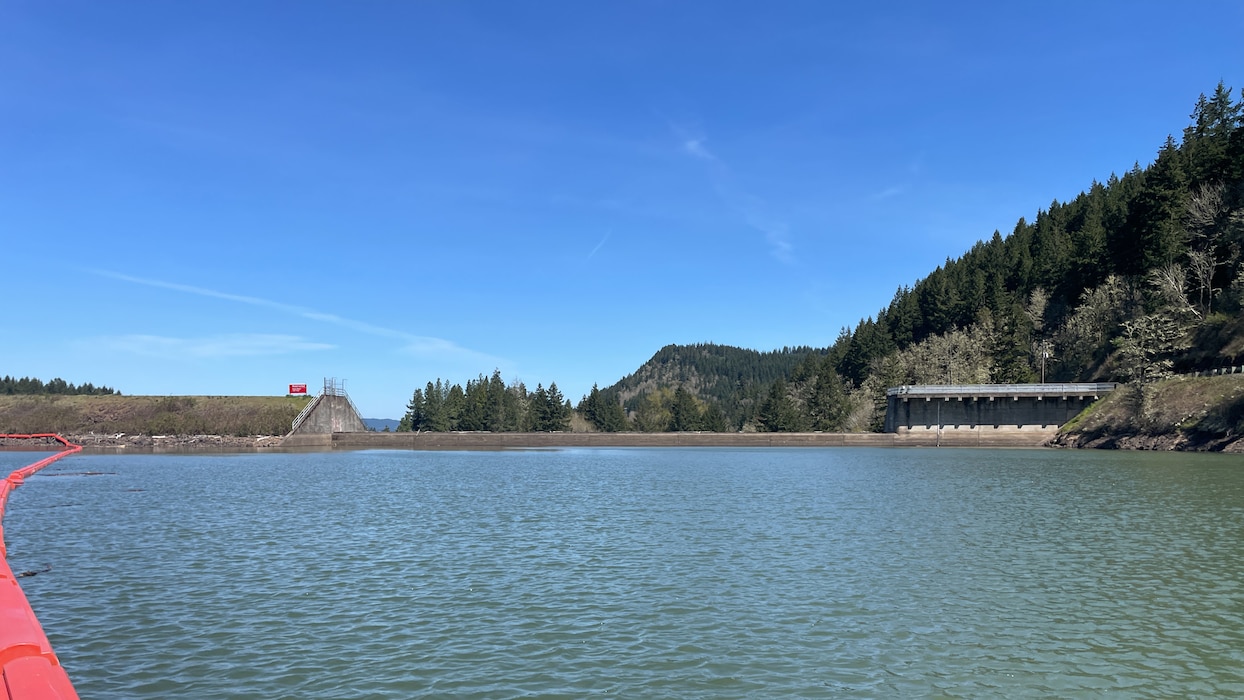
640 573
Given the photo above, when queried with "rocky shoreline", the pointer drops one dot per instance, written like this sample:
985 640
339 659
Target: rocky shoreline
1172 442
122 441
92 442
177 442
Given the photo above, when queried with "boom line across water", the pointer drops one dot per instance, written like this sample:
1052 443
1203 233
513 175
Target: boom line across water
29 669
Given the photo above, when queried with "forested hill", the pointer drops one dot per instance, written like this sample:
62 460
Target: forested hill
733 379
1137 277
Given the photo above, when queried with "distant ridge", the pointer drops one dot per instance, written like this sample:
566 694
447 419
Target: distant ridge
733 378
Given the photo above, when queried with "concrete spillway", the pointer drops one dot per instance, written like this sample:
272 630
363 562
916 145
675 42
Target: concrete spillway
330 414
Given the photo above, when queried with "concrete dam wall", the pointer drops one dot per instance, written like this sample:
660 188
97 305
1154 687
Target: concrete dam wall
519 441
985 408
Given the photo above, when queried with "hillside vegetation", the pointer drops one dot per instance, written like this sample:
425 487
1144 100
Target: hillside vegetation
1205 413
150 415
1135 278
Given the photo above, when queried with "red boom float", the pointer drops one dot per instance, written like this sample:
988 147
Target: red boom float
28 667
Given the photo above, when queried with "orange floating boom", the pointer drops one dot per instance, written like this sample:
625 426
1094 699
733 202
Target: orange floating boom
29 670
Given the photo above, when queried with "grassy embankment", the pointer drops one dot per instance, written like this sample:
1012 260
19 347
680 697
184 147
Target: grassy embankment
150 415
1205 413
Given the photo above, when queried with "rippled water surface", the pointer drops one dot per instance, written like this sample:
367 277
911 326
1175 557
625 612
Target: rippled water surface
643 573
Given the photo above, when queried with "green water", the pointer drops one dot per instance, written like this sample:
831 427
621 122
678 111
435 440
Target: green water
640 573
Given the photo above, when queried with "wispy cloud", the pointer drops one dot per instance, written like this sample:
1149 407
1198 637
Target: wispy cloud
208 347
777 233
599 245
697 148
412 343
440 349
889 192
291 309
752 209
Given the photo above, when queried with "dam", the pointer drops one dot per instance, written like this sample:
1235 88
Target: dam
963 415
951 411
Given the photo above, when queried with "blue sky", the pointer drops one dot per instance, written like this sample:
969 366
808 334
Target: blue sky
227 197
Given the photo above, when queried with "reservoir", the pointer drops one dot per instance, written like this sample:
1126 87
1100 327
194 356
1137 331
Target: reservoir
640 573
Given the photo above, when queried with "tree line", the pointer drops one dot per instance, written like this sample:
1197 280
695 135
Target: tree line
10 386
487 403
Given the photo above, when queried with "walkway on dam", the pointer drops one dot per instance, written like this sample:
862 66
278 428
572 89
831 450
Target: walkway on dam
997 391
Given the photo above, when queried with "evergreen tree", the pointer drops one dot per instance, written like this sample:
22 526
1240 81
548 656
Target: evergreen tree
416 414
869 342
558 409
827 403
684 413
436 413
1009 346
538 410
1053 249
714 420
496 413
1153 233
474 414
1088 242
603 411
455 406
937 302
1207 140
903 317
778 413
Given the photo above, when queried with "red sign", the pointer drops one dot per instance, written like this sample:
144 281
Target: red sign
297 388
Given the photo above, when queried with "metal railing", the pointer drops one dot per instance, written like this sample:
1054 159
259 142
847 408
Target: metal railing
337 387
1217 372
1076 389
306 411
